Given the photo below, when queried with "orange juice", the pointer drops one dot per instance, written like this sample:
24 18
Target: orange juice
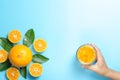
86 54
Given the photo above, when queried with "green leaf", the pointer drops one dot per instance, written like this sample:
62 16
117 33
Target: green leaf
6 44
5 65
37 58
23 71
29 37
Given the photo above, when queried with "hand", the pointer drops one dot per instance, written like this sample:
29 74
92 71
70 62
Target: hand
100 66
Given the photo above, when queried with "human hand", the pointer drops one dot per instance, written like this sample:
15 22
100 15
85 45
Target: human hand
100 66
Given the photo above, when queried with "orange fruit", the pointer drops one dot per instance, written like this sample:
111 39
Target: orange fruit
20 55
86 54
14 36
3 56
12 73
35 70
40 45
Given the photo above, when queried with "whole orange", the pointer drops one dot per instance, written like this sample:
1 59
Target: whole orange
20 56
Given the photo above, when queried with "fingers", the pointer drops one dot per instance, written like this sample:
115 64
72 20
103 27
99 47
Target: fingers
87 67
84 66
99 55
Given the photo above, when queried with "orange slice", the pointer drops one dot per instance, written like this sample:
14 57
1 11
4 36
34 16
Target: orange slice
12 73
40 45
3 56
35 70
86 54
14 36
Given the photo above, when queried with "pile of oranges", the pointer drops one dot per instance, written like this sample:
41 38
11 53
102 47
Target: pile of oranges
21 55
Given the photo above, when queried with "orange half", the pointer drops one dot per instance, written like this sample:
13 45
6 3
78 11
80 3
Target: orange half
35 70
3 56
40 45
14 36
12 73
86 54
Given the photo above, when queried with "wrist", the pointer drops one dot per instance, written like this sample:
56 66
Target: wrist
107 73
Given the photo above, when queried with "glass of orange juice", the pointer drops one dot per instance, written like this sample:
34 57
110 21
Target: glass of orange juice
86 54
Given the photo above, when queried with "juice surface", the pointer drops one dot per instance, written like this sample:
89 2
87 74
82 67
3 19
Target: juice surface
86 54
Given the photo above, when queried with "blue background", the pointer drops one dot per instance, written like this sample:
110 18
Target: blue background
65 25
